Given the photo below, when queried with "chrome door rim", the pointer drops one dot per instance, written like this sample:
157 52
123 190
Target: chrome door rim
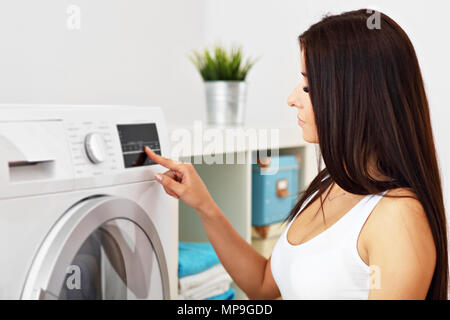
67 235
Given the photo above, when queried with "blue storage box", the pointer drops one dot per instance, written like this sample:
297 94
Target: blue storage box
274 188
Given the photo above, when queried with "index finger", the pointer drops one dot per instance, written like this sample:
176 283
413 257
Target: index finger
165 162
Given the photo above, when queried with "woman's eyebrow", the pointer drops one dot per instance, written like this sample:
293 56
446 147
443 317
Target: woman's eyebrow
304 74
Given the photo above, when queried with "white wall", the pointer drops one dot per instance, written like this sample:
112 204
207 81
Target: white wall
134 52
126 52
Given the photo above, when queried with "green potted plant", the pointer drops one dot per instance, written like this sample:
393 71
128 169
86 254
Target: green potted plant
224 74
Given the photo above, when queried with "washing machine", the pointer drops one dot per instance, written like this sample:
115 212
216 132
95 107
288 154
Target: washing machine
81 215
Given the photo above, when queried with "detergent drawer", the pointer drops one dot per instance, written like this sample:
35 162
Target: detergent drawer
35 158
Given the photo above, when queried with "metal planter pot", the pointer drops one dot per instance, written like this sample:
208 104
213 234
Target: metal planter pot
225 102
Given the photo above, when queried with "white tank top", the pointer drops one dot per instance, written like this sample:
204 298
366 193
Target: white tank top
327 266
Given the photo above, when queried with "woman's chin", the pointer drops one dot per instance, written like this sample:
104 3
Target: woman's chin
307 138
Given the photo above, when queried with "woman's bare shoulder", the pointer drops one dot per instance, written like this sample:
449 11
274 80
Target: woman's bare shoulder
402 210
399 224
398 238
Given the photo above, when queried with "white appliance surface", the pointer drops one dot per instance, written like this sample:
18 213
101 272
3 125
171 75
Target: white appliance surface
79 206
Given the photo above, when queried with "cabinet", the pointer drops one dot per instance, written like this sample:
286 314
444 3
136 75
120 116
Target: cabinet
230 181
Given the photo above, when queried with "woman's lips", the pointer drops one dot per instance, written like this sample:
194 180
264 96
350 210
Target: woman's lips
301 122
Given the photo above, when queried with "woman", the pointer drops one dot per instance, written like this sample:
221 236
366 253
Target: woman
381 233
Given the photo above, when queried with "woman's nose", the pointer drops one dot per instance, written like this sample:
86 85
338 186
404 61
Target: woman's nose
292 100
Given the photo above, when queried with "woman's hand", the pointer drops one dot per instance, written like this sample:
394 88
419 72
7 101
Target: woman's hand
182 182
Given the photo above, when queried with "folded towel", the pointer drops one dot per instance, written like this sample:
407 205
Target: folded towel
211 292
199 279
218 290
208 289
227 295
195 257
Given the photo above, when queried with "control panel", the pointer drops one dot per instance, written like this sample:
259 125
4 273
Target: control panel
95 151
133 139
52 148
92 148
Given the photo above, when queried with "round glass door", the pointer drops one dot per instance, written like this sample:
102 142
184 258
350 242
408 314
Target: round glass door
116 261
102 248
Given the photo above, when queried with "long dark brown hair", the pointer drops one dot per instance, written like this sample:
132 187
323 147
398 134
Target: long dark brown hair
369 101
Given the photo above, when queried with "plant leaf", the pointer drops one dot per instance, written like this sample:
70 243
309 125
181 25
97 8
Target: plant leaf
221 64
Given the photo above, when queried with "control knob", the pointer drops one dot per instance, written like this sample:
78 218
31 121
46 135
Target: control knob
95 147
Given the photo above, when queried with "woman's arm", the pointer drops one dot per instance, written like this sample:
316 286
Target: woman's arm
250 270
245 265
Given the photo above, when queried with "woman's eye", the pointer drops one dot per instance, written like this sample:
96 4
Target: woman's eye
306 89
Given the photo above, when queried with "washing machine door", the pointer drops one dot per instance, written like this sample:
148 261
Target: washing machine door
102 248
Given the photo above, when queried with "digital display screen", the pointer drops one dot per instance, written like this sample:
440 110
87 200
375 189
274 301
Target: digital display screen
133 139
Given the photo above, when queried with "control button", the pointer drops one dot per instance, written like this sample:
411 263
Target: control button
95 147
